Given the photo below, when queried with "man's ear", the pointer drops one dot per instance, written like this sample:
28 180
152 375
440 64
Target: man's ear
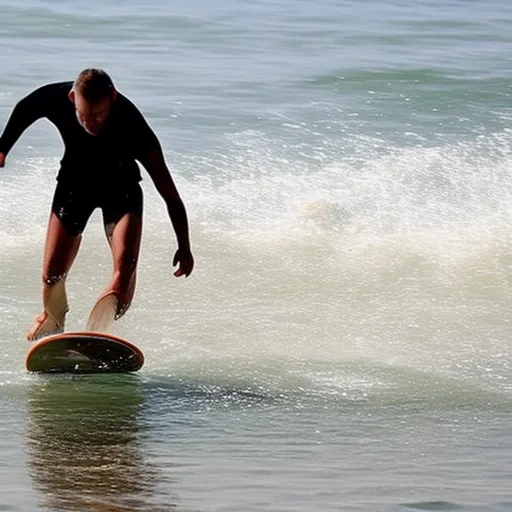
71 96
114 94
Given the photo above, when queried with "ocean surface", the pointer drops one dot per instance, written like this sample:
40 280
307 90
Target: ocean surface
345 341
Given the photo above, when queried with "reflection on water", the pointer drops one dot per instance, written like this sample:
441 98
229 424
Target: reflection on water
84 442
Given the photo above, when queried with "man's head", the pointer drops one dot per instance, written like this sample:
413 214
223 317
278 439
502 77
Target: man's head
93 94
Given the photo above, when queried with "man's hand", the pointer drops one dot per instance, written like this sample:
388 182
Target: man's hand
186 261
2 159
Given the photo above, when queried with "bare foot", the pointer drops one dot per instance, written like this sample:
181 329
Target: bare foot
43 325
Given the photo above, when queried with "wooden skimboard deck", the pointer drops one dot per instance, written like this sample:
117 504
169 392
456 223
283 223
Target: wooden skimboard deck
83 352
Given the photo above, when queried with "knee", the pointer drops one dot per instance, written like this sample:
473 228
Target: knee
52 278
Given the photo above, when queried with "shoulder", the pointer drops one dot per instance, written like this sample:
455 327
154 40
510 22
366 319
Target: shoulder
127 112
55 89
51 92
124 105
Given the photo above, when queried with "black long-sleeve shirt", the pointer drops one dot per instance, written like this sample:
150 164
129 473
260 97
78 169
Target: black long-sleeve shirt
109 157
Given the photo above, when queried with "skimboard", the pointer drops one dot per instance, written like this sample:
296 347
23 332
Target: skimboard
83 352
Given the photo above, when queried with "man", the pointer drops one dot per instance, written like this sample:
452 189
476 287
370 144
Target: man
104 134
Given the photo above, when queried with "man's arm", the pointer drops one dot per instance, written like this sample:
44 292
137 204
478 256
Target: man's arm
26 112
154 162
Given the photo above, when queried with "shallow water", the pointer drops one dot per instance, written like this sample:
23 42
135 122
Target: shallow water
344 341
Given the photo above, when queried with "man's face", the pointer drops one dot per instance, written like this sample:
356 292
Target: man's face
91 116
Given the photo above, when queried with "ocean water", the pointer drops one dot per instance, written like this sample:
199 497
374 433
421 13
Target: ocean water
344 343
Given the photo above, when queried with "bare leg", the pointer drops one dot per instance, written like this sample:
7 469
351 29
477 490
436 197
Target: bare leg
60 252
124 239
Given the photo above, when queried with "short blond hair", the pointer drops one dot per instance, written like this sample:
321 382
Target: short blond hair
93 84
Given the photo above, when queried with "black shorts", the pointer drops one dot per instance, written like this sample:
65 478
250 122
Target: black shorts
73 204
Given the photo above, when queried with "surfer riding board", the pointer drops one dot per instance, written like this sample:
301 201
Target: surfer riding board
105 137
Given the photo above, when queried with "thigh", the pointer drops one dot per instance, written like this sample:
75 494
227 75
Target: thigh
122 217
69 215
59 252
118 202
125 243
73 206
